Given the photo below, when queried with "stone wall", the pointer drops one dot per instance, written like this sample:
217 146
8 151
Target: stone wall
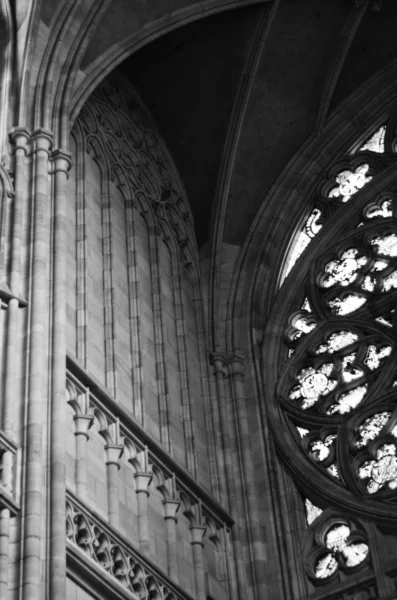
136 327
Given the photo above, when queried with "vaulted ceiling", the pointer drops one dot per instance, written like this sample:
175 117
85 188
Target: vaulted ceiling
236 87
313 56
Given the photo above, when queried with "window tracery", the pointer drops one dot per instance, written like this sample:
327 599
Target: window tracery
351 176
336 389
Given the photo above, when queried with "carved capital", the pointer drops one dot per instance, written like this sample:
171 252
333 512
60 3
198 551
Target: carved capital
197 533
113 454
171 508
20 136
218 361
82 424
62 160
236 363
43 140
142 482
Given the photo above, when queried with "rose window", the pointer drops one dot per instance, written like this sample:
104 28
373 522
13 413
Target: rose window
332 347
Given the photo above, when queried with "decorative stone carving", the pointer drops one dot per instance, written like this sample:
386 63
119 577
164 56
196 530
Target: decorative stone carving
124 141
117 558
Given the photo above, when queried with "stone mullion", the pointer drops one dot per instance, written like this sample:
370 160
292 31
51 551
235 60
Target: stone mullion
82 423
32 532
171 506
108 288
61 161
197 532
238 583
236 368
217 472
142 483
159 345
135 323
113 455
81 250
186 400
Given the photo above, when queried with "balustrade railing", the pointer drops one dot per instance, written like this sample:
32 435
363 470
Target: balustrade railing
115 556
118 427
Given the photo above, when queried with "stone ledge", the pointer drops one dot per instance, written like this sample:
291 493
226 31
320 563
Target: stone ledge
159 456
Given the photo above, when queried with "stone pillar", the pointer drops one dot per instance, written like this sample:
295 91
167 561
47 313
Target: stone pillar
171 508
34 500
142 482
20 137
61 162
4 550
5 515
238 578
236 369
197 533
82 424
113 455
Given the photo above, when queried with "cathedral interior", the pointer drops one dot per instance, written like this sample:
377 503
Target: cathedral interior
198 289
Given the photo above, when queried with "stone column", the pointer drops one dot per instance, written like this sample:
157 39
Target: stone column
113 455
61 162
4 550
6 461
34 500
20 137
82 424
142 482
197 533
237 583
171 508
236 369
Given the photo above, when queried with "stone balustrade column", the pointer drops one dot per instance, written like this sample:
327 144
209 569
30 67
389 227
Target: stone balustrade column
113 455
197 533
171 508
35 457
82 424
142 483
